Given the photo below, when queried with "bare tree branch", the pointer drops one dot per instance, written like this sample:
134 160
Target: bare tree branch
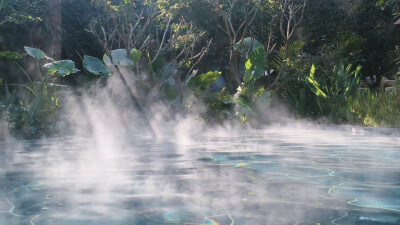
290 14
161 47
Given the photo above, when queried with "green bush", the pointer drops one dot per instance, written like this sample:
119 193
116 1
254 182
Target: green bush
32 107
326 94
376 109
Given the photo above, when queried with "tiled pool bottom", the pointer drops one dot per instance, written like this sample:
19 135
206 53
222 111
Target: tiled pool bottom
275 176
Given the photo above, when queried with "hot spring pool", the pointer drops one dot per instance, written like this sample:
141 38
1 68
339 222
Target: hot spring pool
276 176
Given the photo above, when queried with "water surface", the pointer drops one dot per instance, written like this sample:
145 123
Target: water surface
274 176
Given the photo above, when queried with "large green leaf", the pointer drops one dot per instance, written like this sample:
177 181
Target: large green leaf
35 53
255 65
107 60
244 101
120 58
205 80
135 55
61 68
95 66
11 55
313 83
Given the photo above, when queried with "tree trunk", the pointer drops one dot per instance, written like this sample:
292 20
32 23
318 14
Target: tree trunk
234 63
53 19
224 63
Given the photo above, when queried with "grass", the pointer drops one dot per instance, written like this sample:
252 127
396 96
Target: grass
376 109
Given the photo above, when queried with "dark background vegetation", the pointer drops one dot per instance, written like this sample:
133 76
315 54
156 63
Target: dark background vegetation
331 33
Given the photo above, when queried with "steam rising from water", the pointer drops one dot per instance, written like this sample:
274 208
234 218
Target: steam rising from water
110 171
281 175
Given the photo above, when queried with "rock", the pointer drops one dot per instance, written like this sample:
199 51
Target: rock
388 83
395 88
389 89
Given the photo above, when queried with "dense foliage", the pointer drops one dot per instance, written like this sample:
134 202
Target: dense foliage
241 58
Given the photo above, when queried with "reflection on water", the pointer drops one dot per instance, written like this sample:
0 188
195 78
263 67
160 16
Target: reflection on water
276 176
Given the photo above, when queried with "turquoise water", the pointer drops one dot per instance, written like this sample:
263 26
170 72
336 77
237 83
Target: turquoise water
275 176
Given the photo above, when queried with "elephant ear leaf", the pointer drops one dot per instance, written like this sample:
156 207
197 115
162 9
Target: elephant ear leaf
95 66
120 57
135 55
255 65
204 80
35 53
107 60
11 55
61 68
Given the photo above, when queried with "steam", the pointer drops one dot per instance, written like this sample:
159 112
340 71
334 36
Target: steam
109 169
107 113
3 130
224 175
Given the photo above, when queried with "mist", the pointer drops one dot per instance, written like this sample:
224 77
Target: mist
109 169
195 112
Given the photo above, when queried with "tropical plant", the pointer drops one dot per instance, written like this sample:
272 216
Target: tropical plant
252 98
392 4
19 11
219 104
235 18
332 90
288 60
33 110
